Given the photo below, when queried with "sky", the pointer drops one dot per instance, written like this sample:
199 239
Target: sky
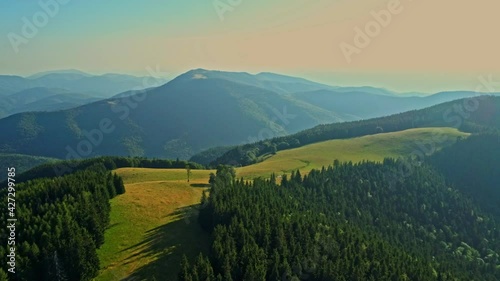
402 45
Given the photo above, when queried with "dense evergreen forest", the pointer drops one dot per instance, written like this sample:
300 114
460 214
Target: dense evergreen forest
471 115
473 166
60 223
62 212
345 222
435 218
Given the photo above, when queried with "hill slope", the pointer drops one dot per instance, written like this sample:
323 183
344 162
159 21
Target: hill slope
42 99
460 114
22 163
370 148
153 225
103 86
363 104
346 222
198 110
164 190
58 90
472 166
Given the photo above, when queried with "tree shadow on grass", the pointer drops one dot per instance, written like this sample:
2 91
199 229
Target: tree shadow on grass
166 244
200 185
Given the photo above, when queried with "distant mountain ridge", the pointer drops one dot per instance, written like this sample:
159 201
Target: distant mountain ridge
42 99
450 114
58 90
198 110
103 86
75 72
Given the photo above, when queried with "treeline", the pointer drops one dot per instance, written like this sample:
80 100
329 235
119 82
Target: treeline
345 222
109 162
473 166
60 224
207 156
472 115
22 163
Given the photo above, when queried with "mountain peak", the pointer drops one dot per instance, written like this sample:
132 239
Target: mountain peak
61 71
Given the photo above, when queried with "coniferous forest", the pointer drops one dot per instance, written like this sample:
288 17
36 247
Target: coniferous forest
431 218
396 220
231 140
60 223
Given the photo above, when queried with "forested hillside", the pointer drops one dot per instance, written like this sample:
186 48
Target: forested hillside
468 115
22 163
345 222
60 223
199 110
473 166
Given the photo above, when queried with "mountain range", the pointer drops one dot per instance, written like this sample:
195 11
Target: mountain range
197 110
57 90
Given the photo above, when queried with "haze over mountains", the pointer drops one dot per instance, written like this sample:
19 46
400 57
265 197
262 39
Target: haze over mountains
197 110
56 90
401 217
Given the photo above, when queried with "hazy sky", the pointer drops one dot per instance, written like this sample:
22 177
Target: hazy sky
427 45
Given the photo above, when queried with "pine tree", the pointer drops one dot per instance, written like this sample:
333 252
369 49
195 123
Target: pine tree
184 273
119 186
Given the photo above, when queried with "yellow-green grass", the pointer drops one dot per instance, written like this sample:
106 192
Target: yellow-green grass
153 224
373 148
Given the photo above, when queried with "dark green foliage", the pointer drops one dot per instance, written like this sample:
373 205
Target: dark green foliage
458 114
118 183
110 163
3 275
207 156
60 223
348 222
473 166
22 163
184 273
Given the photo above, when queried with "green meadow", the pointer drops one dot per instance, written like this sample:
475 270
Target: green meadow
154 223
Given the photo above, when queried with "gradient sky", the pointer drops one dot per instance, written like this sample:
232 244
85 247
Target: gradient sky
429 46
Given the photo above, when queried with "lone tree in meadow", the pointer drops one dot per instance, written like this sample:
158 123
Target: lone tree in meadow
188 170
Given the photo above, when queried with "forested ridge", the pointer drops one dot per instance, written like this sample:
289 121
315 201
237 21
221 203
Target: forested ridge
60 224
345 222
430 218
472 115
22 163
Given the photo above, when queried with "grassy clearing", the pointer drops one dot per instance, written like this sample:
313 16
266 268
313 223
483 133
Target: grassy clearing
373 147
136 175
153 224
